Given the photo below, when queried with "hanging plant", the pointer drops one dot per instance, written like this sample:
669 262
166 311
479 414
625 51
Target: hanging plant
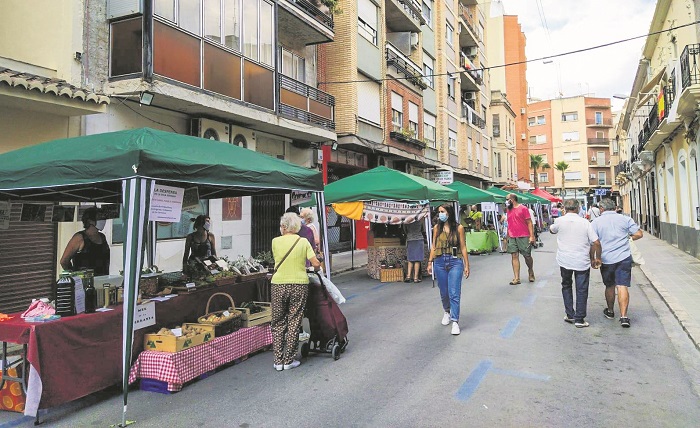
332 6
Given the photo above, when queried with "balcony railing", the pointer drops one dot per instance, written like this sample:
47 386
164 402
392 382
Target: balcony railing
405 66
470 115
690 70
314 12
305 103
413 8
600 122
650 125
599 141
468 18
465 61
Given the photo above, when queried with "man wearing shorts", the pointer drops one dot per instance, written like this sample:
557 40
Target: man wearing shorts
614 232
521 237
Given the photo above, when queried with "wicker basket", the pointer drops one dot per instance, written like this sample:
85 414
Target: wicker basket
228 326
391 275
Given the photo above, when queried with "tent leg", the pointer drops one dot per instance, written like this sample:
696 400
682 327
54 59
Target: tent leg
429 229
353 244
324 225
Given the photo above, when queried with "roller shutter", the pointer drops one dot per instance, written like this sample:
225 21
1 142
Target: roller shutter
27 260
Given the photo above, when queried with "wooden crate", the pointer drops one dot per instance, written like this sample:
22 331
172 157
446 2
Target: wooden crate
155 342
391 275
250 320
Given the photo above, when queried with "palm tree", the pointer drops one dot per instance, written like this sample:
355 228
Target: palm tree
561 166
537 162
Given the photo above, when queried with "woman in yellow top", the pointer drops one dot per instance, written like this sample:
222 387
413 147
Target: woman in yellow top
449 253
290 287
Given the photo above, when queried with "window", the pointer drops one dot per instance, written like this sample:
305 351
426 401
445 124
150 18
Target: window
452 140
538 139
615 146
569 117
540 120
600 134
496 125
428 12
232 24
396 112
212 20
485 156
451 87
599 118
250 30
165 9
449 34
602 178
572 175
367 20
293 66
572 156
531 121
544 157
413 118
188 16
266 28
544 177
428 70
429 134
570 136
368 100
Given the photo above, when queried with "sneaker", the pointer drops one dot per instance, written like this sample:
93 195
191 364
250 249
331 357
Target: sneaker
609 314
455 328
581 324
446 318
625 322
278 367
294 364
569 320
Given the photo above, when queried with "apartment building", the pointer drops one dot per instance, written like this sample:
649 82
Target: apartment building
578 131
241 71
658 131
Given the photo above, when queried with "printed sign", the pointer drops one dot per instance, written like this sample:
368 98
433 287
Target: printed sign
300 197
231 208
190 200
601 192
4 215
145 315
166 204
442 177
488 207
394 212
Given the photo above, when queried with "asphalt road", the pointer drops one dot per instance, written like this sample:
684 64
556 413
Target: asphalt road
516 363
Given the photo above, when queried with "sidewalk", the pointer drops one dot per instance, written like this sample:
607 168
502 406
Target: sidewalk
343 262
676 277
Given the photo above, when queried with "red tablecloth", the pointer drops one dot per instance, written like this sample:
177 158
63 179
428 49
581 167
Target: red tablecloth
176 368
76 356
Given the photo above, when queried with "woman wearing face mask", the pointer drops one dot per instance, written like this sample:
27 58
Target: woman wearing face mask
200 243
449 254
88 249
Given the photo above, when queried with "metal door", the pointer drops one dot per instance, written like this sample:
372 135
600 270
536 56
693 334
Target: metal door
266 211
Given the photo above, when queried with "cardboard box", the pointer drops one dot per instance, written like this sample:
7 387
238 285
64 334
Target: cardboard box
391 275
251 320
167 343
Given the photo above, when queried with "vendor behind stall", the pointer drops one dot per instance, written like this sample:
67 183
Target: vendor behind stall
88 249
200 243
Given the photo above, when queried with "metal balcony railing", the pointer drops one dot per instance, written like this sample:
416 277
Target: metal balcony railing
650 125
606 121
471 116
413 9
313 97
314 12
690 71
306 116
405 66
468 18
598 141
306 90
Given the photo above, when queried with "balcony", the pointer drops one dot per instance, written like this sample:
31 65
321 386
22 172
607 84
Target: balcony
407 136
472 117
404 66
302 21
471 80
305 103
599 142
404 15
599 182
470 33
650 125
465 61
605 122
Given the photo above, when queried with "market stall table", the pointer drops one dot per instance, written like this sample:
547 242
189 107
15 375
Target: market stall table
482 242
76 356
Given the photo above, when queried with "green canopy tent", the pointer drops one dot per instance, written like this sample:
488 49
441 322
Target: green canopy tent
123 167
469 195
525 198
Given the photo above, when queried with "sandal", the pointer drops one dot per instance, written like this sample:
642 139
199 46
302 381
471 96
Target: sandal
407 279
417 280
514 282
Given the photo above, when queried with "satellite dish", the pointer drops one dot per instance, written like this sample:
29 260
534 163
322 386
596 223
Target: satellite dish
211 134
240 141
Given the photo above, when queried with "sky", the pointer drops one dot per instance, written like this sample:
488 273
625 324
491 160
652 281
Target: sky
579 24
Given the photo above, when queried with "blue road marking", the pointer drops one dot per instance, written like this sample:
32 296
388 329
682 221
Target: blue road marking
472 383
352 296
509 329
523 375
530 300
16 422
383 284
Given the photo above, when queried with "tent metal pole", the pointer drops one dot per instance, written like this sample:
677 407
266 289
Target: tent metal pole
324 225
151 241
353 244
429 233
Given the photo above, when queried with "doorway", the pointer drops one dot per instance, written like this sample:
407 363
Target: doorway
266 211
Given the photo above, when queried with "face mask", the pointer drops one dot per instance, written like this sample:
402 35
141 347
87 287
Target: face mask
442 217
509 204
100 224
207 225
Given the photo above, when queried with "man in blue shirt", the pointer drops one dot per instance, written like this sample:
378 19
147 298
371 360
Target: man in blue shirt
614 231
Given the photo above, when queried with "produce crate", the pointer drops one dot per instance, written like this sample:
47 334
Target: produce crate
228 280
251 320
252 276
167 343
391 275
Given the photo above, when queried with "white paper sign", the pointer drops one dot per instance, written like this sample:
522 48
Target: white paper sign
488 206
442 177
145 315
4 215
298 197
79 295
166 204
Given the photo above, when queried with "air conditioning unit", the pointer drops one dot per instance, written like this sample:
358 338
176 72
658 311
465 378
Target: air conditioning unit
592 175
211 130
414 40
523 136
523 110
243 137
471 51
468 95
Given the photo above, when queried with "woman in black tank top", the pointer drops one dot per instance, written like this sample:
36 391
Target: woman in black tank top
200 243
88 249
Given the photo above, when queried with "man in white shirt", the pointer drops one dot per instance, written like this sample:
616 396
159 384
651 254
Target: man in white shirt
578 250
594 212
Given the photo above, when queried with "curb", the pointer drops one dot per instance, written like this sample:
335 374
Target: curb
687 323
348 269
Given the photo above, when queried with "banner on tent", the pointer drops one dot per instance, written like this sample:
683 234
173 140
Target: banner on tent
442 177
394 212
166 204
298 197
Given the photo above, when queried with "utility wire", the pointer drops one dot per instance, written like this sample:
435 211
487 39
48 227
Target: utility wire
339 82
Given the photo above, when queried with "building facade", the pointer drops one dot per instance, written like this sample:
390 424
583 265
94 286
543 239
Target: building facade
658 131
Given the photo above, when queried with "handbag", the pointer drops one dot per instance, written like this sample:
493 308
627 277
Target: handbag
637 258
285 256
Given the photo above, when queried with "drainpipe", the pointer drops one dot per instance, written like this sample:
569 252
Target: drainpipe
147 41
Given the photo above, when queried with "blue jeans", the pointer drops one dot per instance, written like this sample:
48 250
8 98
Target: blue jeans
449 271
581 277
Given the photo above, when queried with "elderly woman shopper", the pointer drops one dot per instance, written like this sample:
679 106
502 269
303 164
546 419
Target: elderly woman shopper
290 287
309 218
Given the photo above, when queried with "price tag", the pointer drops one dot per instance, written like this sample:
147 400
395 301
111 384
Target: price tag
190 285
177 331
222 264
226 314
214 271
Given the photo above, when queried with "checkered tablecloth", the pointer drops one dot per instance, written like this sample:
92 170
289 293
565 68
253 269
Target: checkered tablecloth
176 368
